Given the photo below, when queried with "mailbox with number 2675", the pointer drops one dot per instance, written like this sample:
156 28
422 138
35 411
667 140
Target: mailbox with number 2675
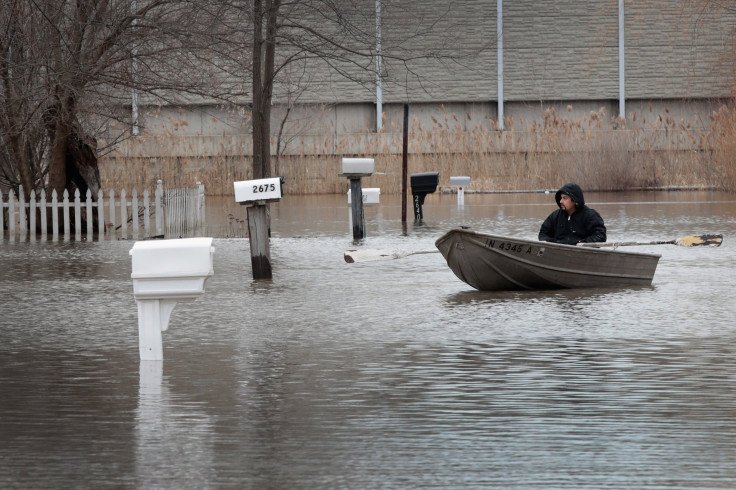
253 191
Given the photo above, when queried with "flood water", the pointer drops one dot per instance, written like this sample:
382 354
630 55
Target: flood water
390 374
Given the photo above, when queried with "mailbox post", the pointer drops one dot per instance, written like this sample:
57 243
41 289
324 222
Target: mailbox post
255 194
165 272
421 185
354 169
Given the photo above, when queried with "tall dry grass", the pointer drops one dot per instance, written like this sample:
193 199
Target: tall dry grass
594 150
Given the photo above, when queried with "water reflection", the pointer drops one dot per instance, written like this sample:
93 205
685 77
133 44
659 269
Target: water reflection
379 375
174 438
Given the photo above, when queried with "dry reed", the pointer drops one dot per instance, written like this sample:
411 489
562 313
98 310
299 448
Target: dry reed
595 150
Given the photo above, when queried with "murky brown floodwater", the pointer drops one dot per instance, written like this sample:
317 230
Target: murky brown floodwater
378 375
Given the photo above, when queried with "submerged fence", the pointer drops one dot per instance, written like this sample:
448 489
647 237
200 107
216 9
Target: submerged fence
175 213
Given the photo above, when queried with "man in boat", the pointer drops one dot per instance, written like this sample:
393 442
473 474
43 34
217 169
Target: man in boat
573 222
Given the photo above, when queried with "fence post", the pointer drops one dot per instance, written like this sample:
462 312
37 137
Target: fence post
65 206
55 215
22 223
44 223
77 216
123 215
134 212
200 208
11 215
146 217
159 194
32 227
113 231
90 216
100 216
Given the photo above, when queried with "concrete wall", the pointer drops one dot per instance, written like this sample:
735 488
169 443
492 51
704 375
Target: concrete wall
560 55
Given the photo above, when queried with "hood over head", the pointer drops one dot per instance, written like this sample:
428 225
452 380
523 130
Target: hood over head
572 190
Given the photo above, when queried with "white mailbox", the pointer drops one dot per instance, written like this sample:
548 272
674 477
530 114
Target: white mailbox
357 166
371 195
459 181
258 190
165 272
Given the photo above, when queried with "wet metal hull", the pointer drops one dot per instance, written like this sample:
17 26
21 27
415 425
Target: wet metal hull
493 263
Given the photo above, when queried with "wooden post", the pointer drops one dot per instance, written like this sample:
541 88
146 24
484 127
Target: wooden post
356 200
260 251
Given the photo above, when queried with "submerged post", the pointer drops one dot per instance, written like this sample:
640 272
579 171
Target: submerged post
354 169
255 194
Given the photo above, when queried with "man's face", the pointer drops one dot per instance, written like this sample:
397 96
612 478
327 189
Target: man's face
567 203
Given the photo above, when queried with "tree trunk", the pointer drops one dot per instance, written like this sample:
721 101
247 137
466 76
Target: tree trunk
264 49
73 162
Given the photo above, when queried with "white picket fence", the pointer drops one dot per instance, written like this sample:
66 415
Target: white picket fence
121 217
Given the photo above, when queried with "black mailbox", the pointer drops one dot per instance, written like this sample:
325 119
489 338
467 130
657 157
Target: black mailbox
421 185
425 182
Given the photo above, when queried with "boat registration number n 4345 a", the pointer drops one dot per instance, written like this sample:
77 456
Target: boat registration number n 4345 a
519 248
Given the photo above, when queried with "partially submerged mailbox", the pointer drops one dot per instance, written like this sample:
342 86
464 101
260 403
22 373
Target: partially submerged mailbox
358 167
165 272
461 182
371 195
354 169
259 190
421 185
255 194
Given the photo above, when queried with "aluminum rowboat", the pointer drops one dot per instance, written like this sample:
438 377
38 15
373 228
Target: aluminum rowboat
494 263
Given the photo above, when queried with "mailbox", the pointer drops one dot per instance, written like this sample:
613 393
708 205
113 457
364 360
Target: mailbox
165 272
357 166
266 190
371 195
424 182
459 181
421 185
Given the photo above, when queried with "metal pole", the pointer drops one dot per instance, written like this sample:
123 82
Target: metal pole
379 82
499 55
621 67
404 163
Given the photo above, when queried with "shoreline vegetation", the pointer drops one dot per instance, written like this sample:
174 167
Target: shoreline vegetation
662 154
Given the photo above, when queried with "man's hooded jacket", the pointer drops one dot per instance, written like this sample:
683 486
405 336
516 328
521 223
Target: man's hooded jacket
584 225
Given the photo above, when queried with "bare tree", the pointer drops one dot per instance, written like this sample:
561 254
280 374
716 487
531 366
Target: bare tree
67 67
338 38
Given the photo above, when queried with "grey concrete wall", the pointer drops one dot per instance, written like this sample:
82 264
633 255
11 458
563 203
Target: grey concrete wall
560 54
